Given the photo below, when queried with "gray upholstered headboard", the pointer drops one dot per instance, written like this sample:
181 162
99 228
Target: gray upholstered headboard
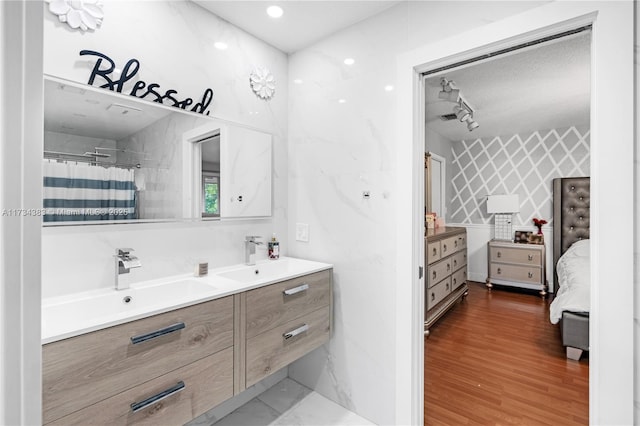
571 201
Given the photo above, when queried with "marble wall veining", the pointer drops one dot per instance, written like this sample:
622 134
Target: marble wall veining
337 150
173 40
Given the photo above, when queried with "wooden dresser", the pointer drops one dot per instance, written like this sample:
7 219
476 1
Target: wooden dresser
517 265
446 275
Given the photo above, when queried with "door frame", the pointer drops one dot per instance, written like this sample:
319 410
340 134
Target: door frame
612 152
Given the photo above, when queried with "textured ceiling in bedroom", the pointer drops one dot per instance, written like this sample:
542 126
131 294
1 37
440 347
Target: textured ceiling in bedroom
537 88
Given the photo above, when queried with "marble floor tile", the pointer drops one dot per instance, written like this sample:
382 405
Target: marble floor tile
288 403
284 395
253 413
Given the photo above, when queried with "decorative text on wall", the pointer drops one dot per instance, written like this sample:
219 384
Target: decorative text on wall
141 89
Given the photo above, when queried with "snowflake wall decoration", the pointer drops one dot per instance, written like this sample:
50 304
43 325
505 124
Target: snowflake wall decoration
263 83
83 14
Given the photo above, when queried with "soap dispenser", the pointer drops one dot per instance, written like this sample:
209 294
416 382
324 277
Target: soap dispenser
274 248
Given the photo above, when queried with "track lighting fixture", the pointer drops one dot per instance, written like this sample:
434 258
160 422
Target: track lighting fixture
448 93
462 110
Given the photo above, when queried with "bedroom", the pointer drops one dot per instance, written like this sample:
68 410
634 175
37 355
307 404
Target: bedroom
532 106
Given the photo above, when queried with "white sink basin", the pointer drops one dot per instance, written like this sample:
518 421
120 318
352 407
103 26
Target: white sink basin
93 308
264 271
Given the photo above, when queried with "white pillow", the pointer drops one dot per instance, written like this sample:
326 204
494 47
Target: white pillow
580 248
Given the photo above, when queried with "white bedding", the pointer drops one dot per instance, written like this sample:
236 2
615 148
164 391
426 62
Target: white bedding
574 279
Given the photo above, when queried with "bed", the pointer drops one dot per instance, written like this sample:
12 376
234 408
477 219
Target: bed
570 307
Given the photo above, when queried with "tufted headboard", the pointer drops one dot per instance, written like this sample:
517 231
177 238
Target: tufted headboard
571 201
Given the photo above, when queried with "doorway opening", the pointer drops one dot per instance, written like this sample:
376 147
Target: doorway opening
507 123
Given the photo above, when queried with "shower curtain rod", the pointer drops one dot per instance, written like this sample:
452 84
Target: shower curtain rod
84 158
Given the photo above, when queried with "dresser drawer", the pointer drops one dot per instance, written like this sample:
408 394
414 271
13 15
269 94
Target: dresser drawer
82 370
273 350
279 303
449 246
433 251
206 383
439 271
521 256
458 278
525 274
462 241
438 292
459 260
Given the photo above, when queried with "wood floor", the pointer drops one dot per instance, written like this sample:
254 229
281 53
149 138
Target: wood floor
495 359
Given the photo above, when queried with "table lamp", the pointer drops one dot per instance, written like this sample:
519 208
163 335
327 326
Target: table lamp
503 206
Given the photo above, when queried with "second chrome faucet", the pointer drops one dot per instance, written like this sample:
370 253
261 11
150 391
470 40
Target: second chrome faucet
250 244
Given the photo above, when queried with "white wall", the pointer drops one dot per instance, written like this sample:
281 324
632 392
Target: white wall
337 151
174 43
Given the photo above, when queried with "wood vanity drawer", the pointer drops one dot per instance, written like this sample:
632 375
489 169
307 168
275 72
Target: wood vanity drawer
449 246
459 260
439 270
272 350
207 382
83 370
515 255
279 303
433 251
525 274
438 292
458 278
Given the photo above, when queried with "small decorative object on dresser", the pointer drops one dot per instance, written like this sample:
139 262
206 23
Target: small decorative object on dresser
522 237
517 265
538 223
446 278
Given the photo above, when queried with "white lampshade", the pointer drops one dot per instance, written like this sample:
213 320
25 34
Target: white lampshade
503 203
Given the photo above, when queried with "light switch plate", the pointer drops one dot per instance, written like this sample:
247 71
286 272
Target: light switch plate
302 232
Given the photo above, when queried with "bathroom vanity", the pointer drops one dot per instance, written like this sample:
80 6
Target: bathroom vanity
168 365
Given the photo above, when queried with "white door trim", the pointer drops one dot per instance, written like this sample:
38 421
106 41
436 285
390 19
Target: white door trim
611 335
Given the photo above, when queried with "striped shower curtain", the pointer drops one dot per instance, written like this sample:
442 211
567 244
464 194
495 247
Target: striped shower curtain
82 192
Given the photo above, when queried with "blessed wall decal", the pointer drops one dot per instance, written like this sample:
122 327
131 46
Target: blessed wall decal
105 66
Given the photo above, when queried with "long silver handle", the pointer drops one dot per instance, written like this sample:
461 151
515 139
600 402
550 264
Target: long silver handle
294 290
148 336
137 406
294 333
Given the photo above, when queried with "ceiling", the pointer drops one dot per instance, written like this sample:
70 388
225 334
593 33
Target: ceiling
303 22
542 87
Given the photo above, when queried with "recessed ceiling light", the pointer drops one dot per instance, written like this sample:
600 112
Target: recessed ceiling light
220 45
388 88
349 61
342 101
297 81
275 11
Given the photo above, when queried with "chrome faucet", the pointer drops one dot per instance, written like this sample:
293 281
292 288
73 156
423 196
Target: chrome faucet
250 244
124 262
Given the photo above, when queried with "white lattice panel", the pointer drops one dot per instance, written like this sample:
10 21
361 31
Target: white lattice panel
519 164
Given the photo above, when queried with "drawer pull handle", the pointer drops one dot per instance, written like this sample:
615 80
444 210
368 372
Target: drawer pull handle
447 286
530 257
448 267
433 297
455 281
433 275
455 262
530 274
148 336
137 406
435 251
444 247
499 254
455 243
294 333
499 271
294 290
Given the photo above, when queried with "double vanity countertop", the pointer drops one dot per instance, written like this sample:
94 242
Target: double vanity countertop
79 313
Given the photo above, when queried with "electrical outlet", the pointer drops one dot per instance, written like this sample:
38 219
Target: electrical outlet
302 232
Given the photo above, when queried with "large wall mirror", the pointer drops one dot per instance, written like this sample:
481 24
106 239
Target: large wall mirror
435 178
112 158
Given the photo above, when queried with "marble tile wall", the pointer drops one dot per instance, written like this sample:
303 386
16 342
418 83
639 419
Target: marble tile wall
339 149
174 43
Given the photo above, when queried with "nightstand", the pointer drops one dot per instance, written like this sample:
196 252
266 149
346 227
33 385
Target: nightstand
517 265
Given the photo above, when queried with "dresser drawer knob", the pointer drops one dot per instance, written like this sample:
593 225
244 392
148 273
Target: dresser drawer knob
435 251
455 281
448 267
447 286
148 336
499 271
433 297
295 290
295 332
444 247
455 262
433 275
499 254
530 257
455 243
530 274
137 406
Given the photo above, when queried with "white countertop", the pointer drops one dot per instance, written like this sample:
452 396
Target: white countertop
76 314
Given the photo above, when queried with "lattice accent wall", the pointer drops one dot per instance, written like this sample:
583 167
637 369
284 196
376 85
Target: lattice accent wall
522 164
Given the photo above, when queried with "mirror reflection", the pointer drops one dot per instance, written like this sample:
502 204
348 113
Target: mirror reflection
110 158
